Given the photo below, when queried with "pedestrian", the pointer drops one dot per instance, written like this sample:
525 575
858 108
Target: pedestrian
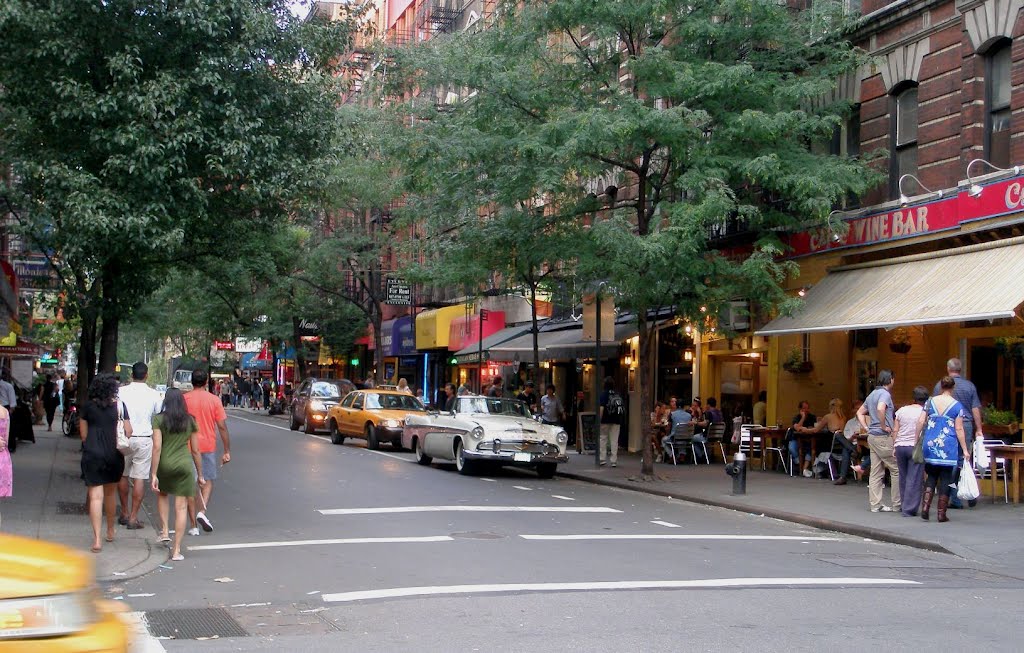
102 463
967 394
611 411
911 473
6 468
497 388
51 399
551 410
8 397
257 395
225 392
176 460
449 398
211 420
941 424
403 386
529 397
142 402
877 415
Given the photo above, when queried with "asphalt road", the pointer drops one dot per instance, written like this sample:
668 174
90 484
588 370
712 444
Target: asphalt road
319 547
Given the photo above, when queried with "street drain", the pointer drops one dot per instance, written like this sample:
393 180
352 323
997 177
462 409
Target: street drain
477 535
72 508
193 623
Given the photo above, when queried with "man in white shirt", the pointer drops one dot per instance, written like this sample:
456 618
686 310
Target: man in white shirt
142 402
8 398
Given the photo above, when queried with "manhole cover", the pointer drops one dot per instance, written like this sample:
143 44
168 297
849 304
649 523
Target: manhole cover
72 508
477 535
193 624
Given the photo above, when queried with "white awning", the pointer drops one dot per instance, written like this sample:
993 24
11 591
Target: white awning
977 282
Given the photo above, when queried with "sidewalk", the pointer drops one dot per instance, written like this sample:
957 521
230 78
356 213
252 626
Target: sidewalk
49 504
988 533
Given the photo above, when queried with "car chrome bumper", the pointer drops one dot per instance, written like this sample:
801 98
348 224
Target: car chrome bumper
509 457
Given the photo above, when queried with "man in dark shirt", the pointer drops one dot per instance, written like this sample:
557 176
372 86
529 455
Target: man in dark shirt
528 397
497 389
449 394
967 394
803 422
610 405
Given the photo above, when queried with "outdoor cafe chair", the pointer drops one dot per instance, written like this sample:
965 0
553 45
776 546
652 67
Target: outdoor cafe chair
715 435
983 460
681 438
835 453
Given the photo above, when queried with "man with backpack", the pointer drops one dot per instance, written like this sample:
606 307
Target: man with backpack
611 413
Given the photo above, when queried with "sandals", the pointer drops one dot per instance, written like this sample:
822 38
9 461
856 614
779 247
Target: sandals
177 558
164 538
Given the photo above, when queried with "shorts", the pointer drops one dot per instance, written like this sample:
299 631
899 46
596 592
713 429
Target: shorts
209 465
139 460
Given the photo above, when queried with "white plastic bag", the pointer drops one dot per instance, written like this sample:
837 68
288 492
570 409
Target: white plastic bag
967 486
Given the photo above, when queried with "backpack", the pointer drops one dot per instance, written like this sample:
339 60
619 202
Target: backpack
615 407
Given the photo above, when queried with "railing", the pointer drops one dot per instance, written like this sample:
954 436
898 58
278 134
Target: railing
439 15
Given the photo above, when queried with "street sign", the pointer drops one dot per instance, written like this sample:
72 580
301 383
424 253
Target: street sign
224 345
398 292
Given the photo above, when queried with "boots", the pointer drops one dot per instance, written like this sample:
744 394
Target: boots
943 505
926 502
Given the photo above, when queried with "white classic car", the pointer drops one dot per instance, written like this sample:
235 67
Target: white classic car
486 429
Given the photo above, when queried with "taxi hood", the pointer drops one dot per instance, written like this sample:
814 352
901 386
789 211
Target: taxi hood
30 567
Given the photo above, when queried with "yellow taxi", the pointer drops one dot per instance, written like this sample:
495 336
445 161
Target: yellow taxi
49 601
376 415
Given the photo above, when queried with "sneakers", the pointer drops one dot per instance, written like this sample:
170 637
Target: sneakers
204 521
615 464
193 531
808 473
882 509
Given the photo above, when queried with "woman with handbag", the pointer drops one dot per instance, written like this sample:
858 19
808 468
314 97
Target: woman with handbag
905 437
102 463
941 424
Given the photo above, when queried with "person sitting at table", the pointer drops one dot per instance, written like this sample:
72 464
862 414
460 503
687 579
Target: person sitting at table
803 422
834 420
676 416
697 413
659 420
853 432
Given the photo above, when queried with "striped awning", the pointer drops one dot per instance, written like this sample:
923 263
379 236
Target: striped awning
965 284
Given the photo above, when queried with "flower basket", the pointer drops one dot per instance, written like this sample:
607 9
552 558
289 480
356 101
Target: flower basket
802 367
899 347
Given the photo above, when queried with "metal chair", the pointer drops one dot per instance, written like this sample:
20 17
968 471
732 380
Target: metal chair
833 454
681 437
715 435
982 463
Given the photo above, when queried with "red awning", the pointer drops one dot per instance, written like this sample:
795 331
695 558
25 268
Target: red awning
465 331
24 349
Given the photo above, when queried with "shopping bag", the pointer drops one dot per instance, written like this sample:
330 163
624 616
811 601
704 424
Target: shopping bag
967 486
123 442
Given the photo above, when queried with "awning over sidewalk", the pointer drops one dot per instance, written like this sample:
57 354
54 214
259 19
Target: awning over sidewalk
977 282
491 344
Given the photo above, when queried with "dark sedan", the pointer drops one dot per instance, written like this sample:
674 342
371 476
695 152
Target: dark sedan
312 400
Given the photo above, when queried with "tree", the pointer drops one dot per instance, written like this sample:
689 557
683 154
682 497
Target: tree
697 114
141 133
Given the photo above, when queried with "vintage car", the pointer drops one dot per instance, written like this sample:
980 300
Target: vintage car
376 415
486 429
49 601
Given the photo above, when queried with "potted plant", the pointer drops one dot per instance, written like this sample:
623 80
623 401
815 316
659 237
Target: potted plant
794 362
899 342
998 422
1010 347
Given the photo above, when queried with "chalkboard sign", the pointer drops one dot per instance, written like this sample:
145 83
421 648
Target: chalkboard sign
587 430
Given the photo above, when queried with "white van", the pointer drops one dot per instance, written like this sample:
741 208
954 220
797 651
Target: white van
182 380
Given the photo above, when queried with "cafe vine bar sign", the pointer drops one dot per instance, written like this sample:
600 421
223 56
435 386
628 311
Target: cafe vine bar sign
999 198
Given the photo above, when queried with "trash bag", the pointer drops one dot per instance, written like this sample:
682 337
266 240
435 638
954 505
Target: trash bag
967 486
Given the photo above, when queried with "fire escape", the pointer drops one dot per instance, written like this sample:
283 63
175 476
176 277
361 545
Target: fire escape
439 16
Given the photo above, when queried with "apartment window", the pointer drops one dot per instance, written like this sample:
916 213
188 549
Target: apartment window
846 137
997 105
903 159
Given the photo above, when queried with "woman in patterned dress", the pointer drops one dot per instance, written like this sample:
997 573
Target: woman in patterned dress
942 425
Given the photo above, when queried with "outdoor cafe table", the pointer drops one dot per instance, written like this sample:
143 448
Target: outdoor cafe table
1013 454
770 434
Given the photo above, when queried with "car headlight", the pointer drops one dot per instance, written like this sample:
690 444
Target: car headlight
392 423
477 433
317 405
46 616
562 437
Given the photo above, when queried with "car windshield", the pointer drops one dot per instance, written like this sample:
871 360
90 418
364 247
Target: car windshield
492 406
375 401
324 390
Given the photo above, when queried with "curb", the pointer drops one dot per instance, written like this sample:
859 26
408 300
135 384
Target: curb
797 518
156 556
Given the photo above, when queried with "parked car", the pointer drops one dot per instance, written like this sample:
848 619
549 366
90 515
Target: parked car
313 398
377 415
486 430
49 601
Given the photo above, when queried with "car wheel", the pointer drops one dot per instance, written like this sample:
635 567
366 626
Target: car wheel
463 466
336 436
546 470
310 428
293 423
371 438
421 457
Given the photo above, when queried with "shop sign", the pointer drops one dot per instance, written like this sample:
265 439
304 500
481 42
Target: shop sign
248 345
224 345
403 338
398 292
465 331
308 328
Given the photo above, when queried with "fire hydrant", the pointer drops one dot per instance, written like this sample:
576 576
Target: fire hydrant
738 470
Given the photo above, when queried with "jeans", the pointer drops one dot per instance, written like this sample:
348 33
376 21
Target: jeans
911 480
794 453
609 438
848 450
882 450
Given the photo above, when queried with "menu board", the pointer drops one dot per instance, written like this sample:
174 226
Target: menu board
587 431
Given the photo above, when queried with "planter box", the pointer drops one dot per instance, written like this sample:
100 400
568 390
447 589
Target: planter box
899 347
1003 430
805 367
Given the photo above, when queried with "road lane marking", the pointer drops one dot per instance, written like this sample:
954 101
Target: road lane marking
559 496
273 426
709 583
520 487
347 540
489 480
666 524
664 536
400 509
320 438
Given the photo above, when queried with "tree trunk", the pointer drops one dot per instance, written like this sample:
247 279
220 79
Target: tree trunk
646 356
108 343
86 353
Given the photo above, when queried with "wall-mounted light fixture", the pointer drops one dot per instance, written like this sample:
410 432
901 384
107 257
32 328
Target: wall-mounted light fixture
836 234
628 360
688 355
904 200
976 190
803 291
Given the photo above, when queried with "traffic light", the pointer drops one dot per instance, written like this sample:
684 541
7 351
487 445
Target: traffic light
354 362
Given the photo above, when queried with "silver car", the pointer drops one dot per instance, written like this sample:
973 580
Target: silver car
486 430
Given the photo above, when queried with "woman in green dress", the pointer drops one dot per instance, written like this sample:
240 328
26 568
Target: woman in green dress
175 461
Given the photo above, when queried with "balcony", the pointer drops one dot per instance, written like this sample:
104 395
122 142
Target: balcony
439 16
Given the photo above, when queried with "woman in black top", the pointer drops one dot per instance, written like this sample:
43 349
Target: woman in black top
102 463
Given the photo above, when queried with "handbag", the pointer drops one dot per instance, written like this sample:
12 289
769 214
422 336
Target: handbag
918 455
967 487
123 441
